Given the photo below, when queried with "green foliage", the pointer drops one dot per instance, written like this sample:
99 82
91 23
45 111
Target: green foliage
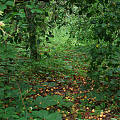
105 60
42 114
98 23
69 45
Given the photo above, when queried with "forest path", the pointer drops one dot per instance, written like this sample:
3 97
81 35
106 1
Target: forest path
71 84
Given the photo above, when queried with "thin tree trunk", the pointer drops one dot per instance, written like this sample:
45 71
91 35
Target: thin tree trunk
32 33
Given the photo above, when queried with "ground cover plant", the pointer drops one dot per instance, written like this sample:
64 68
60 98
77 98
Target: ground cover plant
60 60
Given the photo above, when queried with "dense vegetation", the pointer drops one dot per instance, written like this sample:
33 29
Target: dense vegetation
59 59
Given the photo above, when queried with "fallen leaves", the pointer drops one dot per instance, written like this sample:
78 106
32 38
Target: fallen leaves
66 84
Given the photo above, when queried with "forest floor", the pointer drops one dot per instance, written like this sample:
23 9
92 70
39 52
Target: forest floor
71 84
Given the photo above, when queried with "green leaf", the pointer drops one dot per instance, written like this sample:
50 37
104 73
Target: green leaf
9 112
113 119
10 3
36 11
23 118
103 25
1 93
41 114
29 6
118 93
1 111
66 104
54 116
44 102
22 15
2 7
69 67
13 93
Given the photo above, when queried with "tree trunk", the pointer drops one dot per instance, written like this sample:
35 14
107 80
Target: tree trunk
32 33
